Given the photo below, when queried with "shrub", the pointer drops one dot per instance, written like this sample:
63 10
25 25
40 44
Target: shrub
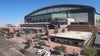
60 48
89 51
41 42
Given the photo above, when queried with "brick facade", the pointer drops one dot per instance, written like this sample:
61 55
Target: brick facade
86 28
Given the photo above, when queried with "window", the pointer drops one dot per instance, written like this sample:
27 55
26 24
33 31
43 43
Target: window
97 21
65 41
40 20
34 31
75 43
44 20
27 20
40 31
36 20
80 44
49 19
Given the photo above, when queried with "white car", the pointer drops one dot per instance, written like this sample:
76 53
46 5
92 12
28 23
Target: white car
39 51
47 53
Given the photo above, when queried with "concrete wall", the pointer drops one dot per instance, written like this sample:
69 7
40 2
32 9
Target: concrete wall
11 29
97 25
50 31
59 30
65 29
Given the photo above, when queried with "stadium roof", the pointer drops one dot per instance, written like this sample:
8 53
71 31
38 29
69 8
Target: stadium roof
70 6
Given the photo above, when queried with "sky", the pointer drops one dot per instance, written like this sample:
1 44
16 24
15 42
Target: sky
13 11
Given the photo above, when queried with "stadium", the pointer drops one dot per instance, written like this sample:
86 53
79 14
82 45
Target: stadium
80 13
61 16
69 24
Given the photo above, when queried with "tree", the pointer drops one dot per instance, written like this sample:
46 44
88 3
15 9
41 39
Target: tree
2 32
57 48
98 52
89 51
10 34
41 42
26 31
28 40
38 37
18 34
27 43
60 48
94 30
63 48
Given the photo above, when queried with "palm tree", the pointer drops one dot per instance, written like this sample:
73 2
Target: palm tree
28 40
94 30
89 51
27 43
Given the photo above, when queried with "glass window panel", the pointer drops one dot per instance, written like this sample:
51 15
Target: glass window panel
40 20
36 20
49 19
44 20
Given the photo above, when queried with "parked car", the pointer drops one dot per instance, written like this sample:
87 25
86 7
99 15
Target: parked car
27 46
47 53
39 51
23 51
55 53
74 54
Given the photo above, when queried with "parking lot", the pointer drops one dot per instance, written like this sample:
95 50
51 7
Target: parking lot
17 44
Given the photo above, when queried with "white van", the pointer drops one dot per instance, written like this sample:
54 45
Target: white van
39 51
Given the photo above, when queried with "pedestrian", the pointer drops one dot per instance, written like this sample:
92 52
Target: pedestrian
50 50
